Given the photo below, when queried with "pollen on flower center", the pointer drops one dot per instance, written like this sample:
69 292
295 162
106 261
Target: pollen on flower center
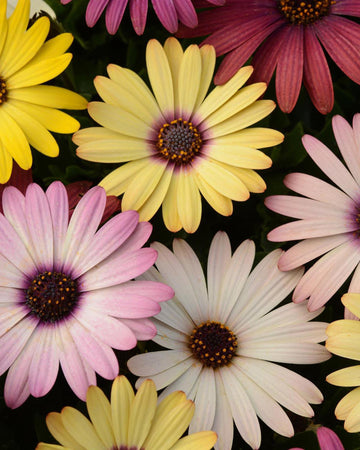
213 344
51 296
178 141
304 11
3 91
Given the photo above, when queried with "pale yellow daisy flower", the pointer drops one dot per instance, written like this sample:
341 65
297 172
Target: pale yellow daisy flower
179 143
129 421
28 109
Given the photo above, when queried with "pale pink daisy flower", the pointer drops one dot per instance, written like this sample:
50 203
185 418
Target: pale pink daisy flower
329 224
66 295
223 335
169 12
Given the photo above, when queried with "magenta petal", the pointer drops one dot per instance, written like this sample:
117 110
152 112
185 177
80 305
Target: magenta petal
166 12
94 10
328 439
289 70
346 8
138 13
317 77
114 14
186 12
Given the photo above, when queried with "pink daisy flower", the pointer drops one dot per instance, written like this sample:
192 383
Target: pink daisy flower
289 36
65 291
169 12
329 216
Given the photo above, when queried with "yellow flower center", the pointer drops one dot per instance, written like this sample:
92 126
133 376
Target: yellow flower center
51 296
3 91
213 344
178 141
304 11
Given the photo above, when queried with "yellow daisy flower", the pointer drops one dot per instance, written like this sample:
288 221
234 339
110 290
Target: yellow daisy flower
28 108
179 143
344 340
128 422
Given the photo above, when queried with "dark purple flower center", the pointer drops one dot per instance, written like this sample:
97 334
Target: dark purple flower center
213 344
178 141
3 91
52 296
304 11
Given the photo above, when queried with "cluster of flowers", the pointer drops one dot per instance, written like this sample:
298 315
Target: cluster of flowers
76 280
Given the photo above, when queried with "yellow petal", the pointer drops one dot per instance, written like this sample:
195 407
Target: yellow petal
251 179
27 46
57 429
3 25
170 208
346 345
203 440
189 81
50 118
115 118
122 396
223 205
352 422
222 180
42 446
352 302
6 164
113 150
52 48
90 134
160 77
343 326
98 407
36 134
51 96
245 97
170 401
119 179
142 413
14 140
252 137
248 116
189 201
116 94
208 59
142 186
347 403
39 73
81 429
221 94
349 376
174 53
153 203
238 156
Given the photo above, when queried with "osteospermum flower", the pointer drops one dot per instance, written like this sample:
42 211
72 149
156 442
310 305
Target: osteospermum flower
28 108
343 340
128 421
329 217
289 36
66 295
221 337
179 144
168 12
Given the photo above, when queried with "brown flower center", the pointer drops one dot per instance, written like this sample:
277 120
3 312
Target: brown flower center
213 344
3 91
304 11
51 296
178 141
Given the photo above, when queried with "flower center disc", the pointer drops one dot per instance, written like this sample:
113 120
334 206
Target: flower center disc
3 91
178 141
304 11
51 296
213 344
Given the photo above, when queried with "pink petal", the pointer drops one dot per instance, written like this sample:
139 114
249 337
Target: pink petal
11 277
346 8
317 78
137 239
143 329
289 70
114 14
94 10
186 12
10 316
16 389
138 13
328 440
166 12
159 292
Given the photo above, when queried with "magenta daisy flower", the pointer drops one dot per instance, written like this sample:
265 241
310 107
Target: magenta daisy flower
66 295
169 12
289 36
329 216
